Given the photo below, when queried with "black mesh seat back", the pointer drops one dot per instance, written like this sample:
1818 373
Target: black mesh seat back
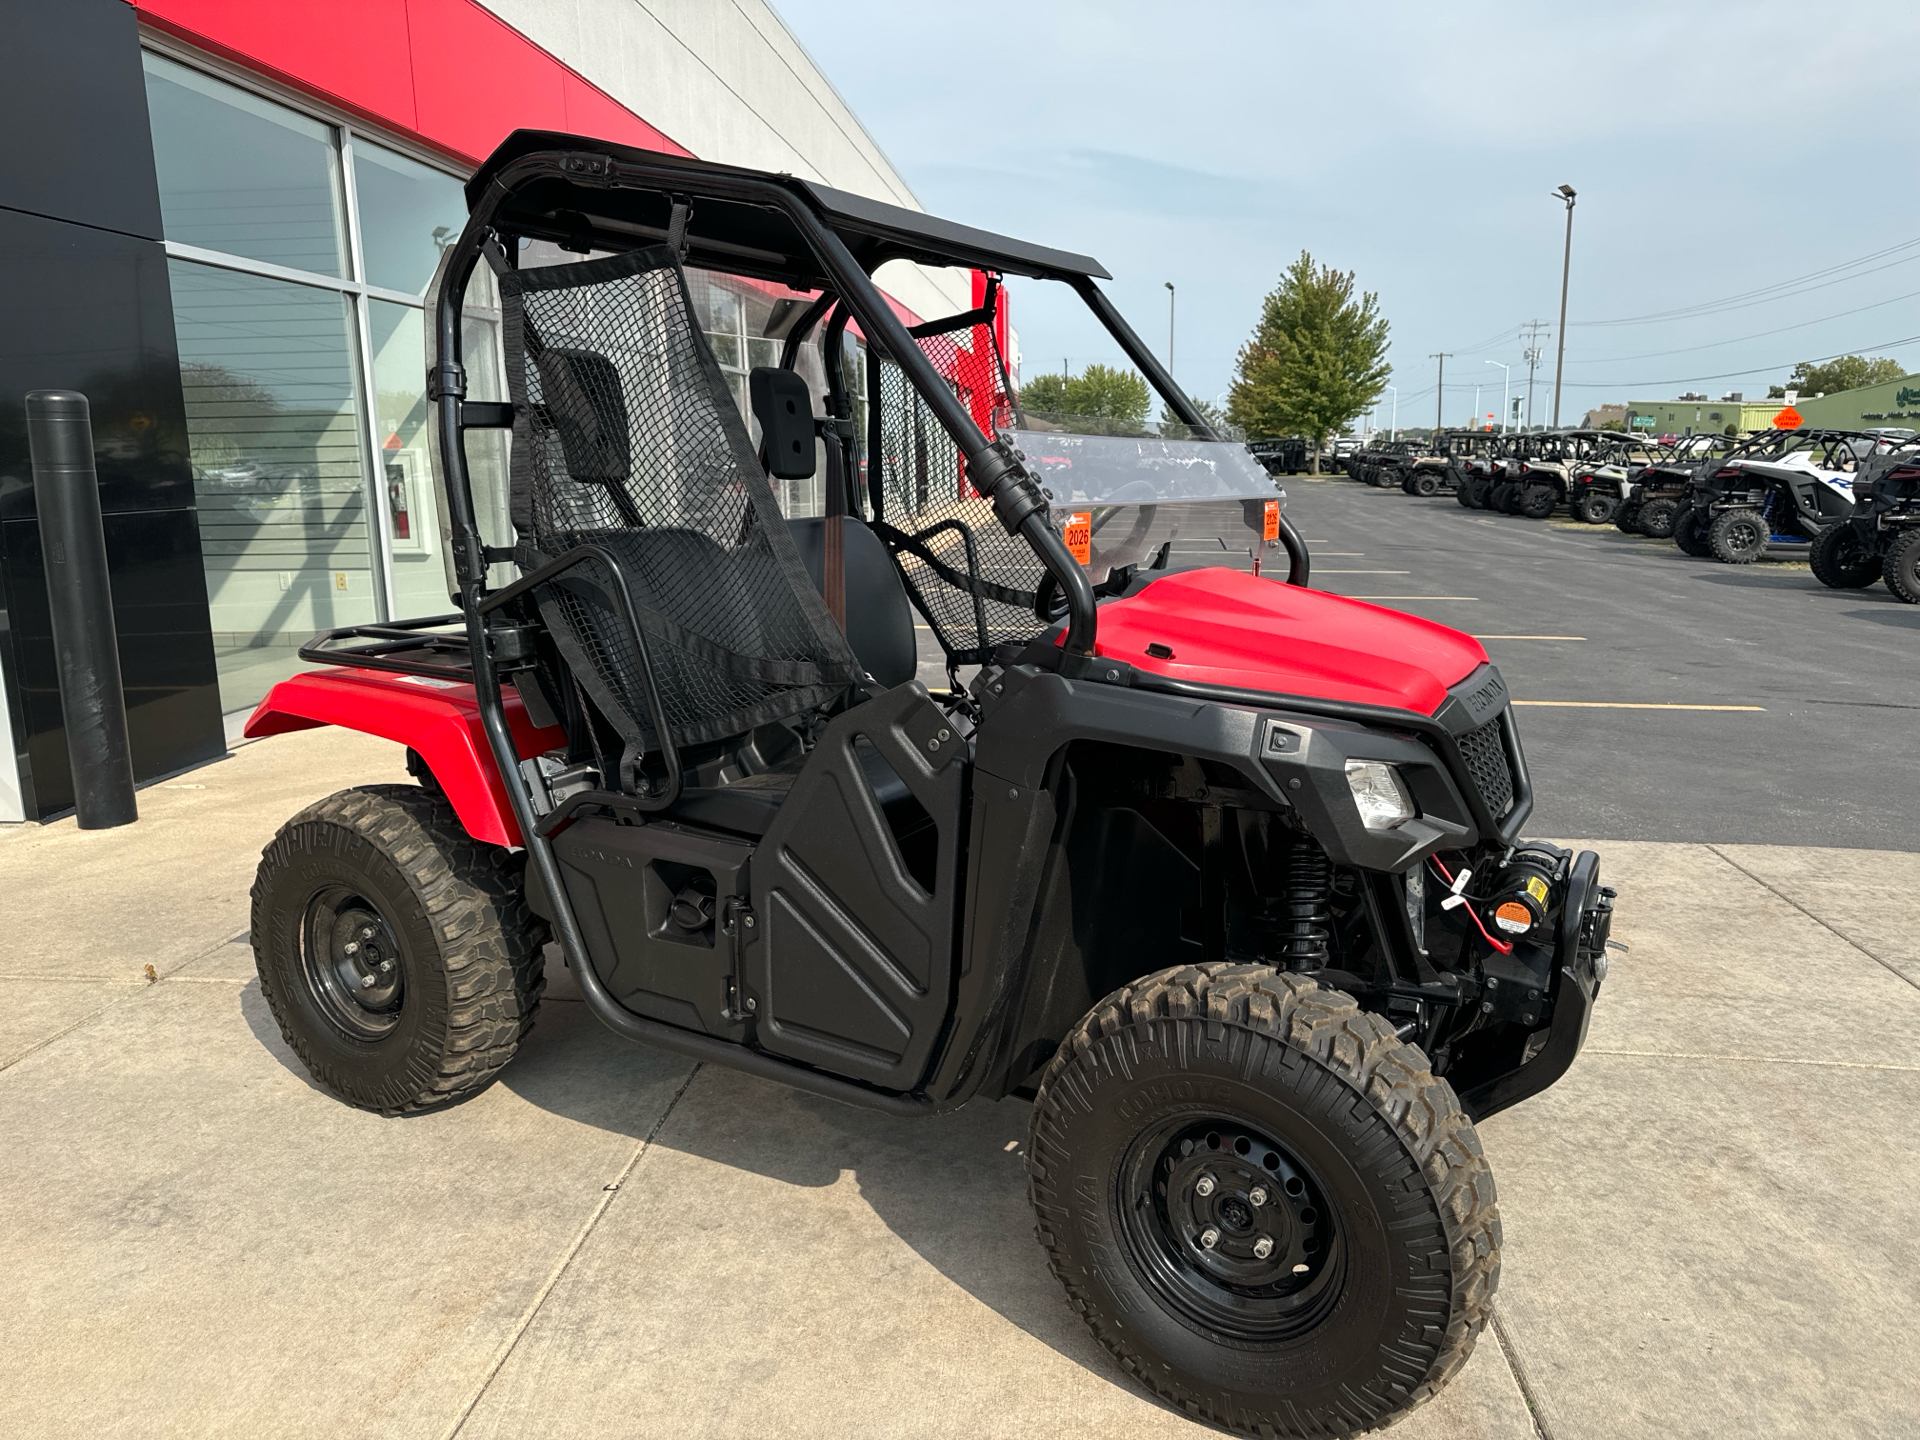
626 438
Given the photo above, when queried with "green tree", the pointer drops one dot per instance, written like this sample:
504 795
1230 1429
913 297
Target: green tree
1045 393
1172 424
1099 392
1316 360
1849 372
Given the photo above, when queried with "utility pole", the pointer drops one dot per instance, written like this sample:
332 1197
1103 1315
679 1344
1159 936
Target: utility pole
1473 420
1565 192
1532 357
1440 394
1170 300
1394 424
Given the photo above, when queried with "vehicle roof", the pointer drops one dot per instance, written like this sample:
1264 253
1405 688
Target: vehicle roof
873 230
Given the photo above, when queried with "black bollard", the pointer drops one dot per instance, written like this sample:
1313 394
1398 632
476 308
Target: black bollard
85 648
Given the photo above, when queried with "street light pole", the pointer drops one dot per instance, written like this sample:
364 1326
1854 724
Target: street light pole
1394 424
1565 192
1506 387
1440 394
1170 300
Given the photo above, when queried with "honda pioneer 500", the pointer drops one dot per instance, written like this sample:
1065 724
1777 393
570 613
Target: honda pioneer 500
1880 537
1448 455
1785 485
1225 874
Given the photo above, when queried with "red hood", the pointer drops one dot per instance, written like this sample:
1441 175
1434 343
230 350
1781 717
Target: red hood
1229 628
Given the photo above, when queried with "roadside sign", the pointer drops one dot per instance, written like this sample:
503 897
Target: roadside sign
1788 419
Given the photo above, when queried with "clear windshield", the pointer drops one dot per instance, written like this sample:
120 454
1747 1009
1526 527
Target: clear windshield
1080 469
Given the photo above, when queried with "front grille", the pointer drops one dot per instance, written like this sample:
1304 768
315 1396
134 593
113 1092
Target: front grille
1485 751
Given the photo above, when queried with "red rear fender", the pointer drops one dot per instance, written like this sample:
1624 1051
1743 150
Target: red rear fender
438 718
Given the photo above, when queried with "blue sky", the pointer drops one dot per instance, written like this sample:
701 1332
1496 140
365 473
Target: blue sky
1719 150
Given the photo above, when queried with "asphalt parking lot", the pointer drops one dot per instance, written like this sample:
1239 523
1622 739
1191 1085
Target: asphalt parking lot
1708 1223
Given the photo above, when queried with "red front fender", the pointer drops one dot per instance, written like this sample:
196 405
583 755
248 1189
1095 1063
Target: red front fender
438 718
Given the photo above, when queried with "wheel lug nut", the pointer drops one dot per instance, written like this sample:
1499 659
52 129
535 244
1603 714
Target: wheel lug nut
351 947
366 982
366 932
1203 1187
385 965
1262 1248
1209 1238
1257 1195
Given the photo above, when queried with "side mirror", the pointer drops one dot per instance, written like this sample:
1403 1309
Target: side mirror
784 408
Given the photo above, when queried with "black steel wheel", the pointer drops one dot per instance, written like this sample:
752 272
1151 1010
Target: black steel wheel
1657 517
1840 562
1737 537
1262 1202
396 952
1690 535
1426 483
1903 568
1536 502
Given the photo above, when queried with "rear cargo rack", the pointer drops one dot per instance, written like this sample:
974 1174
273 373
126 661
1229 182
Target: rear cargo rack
407 647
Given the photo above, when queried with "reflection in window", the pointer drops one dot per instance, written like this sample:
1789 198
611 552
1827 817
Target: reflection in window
242 174
273 435
408 215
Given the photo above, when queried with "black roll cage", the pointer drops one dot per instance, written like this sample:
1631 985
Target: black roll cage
883 233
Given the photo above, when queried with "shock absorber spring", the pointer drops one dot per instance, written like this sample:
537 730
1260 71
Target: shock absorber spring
1305 908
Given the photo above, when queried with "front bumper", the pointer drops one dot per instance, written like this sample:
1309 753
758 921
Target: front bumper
1578 967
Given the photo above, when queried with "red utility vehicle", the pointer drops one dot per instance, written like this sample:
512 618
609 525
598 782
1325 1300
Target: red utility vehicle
1224 875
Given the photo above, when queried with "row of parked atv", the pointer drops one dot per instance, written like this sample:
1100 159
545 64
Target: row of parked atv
1848 499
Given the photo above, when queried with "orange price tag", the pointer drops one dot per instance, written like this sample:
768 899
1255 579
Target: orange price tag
1080 535
1270 521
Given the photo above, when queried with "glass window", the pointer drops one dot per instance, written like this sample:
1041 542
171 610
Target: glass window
409 213
244 175
273 432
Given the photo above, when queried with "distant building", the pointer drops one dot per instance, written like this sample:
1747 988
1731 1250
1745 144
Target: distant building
1697 415
1895 403
1605 417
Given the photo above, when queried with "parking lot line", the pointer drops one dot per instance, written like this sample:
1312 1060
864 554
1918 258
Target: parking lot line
1366 572
1529 637
1407 597
1628 705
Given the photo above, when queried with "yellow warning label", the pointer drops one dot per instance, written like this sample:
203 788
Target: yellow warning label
1537 888
1080 535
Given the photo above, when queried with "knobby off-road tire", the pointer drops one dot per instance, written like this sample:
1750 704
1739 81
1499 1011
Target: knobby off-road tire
1382 1204
1426 484
1627 518
1657 517
1903 568
1738 537
1690 535
397 953
1838 561
1537 502
1467 496
1596 508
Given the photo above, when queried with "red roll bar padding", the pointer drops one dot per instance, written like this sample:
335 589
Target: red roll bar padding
438 718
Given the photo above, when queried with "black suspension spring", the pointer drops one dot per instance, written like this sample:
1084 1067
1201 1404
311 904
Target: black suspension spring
1302 918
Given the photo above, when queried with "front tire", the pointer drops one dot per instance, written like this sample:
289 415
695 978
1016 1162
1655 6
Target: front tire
1903 568
397 953
1737 537
1657 517
1690 535
1199 1112
1839 561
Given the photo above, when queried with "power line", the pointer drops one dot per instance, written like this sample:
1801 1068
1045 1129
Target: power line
1766 294
1737 374
1759 335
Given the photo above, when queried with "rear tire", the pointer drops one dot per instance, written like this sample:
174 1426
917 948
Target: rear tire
1596 508
1537 502
397 953
1903 568
1657 518
1500 496
1839 562
1738 537
1690 535
1627 518
1314 1128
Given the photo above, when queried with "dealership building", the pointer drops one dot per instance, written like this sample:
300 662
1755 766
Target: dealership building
219 221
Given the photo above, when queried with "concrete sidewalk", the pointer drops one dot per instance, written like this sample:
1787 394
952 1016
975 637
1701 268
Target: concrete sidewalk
1709 1223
